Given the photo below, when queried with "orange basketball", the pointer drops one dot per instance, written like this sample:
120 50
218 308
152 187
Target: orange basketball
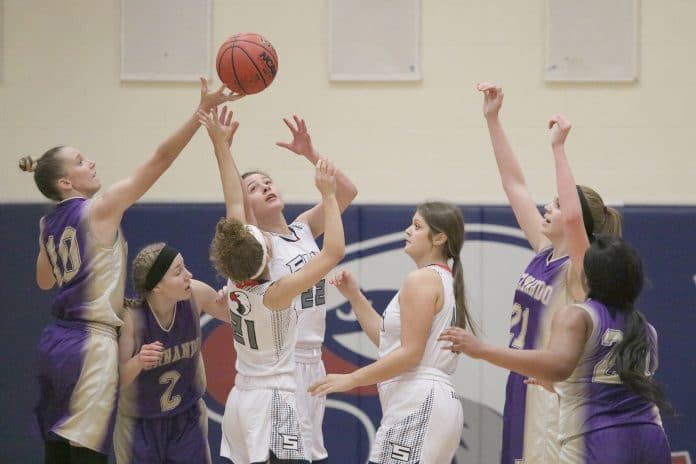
247 63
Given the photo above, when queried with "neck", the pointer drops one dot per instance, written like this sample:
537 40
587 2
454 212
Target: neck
431 259
559 248
162 306
277 224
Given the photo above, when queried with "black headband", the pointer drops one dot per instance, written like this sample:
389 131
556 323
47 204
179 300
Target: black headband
160 266
586 213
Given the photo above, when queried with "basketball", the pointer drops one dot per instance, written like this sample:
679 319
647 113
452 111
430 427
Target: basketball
247 63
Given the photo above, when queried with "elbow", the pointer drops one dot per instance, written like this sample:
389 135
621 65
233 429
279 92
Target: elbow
560 372
44 284
572 217
411 359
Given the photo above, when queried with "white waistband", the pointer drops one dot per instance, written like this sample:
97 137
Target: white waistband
276 382
307 355
422 373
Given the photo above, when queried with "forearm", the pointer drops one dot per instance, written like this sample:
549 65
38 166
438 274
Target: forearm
129 370
368 318
346 191
565 184
530 363
395 363
334 239
231 181
170 148
511 174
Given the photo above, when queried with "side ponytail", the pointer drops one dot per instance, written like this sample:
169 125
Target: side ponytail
446 218
633 356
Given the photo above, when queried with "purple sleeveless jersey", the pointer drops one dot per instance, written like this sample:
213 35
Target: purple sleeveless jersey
541 283
594 397
90 276
600 419
178 381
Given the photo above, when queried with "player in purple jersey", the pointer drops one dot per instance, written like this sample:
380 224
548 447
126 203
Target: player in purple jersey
81 249
603 353
264 388
161 415
422 415
560 238
265 208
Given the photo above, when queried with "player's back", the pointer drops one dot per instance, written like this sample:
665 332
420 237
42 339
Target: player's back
594 397
263 338
91 276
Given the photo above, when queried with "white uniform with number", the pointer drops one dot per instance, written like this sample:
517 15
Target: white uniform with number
260 415
290 253
422 416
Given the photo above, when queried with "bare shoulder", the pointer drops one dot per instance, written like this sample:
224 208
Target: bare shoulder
420 279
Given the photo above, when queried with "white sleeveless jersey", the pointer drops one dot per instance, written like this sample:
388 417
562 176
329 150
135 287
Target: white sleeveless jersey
290 253
264 339
433 356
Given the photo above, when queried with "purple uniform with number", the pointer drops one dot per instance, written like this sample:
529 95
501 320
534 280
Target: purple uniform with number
600 419
161 414
78 354
530 416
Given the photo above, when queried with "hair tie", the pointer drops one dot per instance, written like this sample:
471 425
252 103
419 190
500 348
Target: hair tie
586 213
256 233
160 266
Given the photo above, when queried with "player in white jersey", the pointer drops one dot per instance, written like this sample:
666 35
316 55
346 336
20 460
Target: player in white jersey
530 417
260 423
422 415
294 245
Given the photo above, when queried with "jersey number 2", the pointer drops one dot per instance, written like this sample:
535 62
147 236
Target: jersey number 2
167 401
314 296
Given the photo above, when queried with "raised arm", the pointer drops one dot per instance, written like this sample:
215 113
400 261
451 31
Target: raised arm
418 300
346 191
282 292
130 362
108 209
370 321
528 216
209 301
221 131
570 328
577 241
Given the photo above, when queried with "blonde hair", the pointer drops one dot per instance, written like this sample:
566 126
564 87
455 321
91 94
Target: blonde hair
606 220
47 170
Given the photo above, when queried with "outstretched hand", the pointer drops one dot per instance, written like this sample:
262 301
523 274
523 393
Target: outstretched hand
345 282
492 98
463 341
560 127
211 99
325 177
301 141
220 128
332 383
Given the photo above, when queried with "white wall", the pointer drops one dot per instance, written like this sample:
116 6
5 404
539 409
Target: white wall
399 142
